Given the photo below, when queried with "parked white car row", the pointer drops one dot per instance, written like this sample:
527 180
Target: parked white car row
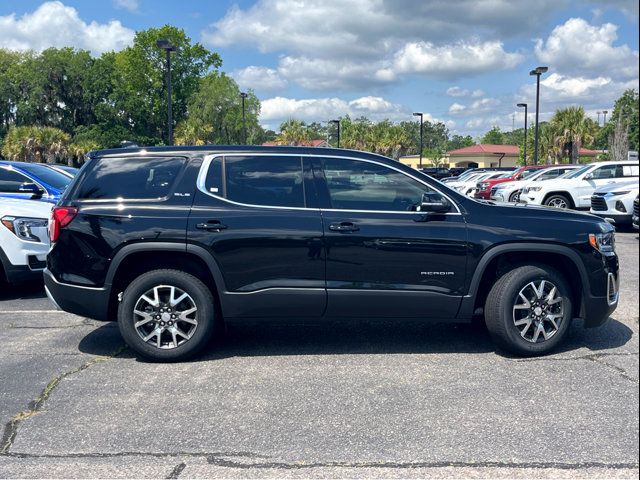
608 189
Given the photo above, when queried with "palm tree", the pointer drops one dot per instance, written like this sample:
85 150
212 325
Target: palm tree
572 130
35 144
293 132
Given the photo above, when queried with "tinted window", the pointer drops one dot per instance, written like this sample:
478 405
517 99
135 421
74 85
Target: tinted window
627 171
10 181
264 180
355 185
47 175
132 178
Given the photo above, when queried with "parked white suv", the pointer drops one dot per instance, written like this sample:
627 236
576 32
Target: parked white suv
574 190
24 239
614 202
510 191
468 187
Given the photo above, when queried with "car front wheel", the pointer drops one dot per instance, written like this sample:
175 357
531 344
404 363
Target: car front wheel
529 310
558 201
166 315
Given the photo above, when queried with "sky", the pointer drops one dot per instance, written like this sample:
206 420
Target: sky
463 62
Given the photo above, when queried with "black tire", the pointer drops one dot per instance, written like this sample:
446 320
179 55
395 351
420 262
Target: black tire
514 196
557 199
205 315
500 314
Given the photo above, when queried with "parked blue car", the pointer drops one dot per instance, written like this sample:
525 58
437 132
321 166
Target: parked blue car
31 181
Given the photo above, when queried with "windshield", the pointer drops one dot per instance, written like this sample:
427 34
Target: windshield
575 173
47 175
529 173
466 175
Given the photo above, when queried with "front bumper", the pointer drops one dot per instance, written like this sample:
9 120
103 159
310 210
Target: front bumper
596 309
483 194
84 301
614 217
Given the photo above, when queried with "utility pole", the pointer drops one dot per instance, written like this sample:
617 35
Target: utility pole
168 47
537 72
243 95
420 115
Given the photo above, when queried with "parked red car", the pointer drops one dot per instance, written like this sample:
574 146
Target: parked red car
483 189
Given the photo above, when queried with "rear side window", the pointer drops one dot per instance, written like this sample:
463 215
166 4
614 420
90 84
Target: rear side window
10 181
268 180
130 178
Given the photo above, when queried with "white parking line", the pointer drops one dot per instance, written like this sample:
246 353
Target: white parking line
32 311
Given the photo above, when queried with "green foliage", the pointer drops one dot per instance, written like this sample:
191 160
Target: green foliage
459 141
626 109
218 105
35 144
493 137
572 130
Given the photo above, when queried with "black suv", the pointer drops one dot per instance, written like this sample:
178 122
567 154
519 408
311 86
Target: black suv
173 241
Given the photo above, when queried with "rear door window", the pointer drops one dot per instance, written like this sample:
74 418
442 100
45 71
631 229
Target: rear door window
130 178
10 180
266 180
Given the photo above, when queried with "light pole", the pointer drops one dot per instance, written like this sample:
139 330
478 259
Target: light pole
420 114
537 72
243 95
599 118
525 106
337 123
168 47
604 119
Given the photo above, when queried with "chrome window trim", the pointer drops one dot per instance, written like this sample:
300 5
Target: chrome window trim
204 168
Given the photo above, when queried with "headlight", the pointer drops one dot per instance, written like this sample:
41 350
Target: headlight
615 194
484 185
23 227
603 242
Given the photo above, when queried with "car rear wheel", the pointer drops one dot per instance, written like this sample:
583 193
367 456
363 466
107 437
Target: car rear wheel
529 310
167 315
558 201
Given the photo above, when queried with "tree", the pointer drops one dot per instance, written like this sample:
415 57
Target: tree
78 150
217 104
572 131
293 132
193 131
493 137
619 141
138 96
459 141
626 109
35 144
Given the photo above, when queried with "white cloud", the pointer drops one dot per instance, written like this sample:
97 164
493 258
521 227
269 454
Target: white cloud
353 44
131 5
576 47
463 92
54 24
484 105
462 58
277 109
259 78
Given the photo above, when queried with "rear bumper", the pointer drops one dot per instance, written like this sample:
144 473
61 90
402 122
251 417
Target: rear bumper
83 301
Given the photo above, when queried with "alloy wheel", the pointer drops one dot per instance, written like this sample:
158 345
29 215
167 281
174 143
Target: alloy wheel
558 203
538 311
165 317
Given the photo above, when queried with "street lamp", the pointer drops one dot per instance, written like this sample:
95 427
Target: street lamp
337 122
599 118
168 47
243 95
604 119
537 72
420 114
525 106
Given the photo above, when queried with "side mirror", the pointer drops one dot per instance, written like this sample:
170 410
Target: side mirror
31 188
433 202
588 176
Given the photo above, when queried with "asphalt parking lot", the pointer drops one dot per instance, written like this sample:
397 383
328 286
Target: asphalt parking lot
295 400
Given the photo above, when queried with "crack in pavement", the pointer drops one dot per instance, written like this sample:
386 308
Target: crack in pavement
177 470
85 323
222 459
11 427
595 358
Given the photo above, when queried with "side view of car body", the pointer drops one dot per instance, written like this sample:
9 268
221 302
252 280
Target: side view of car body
24 240
31 181
510 191
177 240
575 189
614 202
483 188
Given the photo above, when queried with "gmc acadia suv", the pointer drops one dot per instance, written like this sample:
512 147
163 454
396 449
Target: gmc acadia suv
173 241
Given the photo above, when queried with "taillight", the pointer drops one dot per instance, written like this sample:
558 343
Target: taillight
60 218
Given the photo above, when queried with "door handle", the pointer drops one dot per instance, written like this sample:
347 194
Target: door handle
344 227
211 225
